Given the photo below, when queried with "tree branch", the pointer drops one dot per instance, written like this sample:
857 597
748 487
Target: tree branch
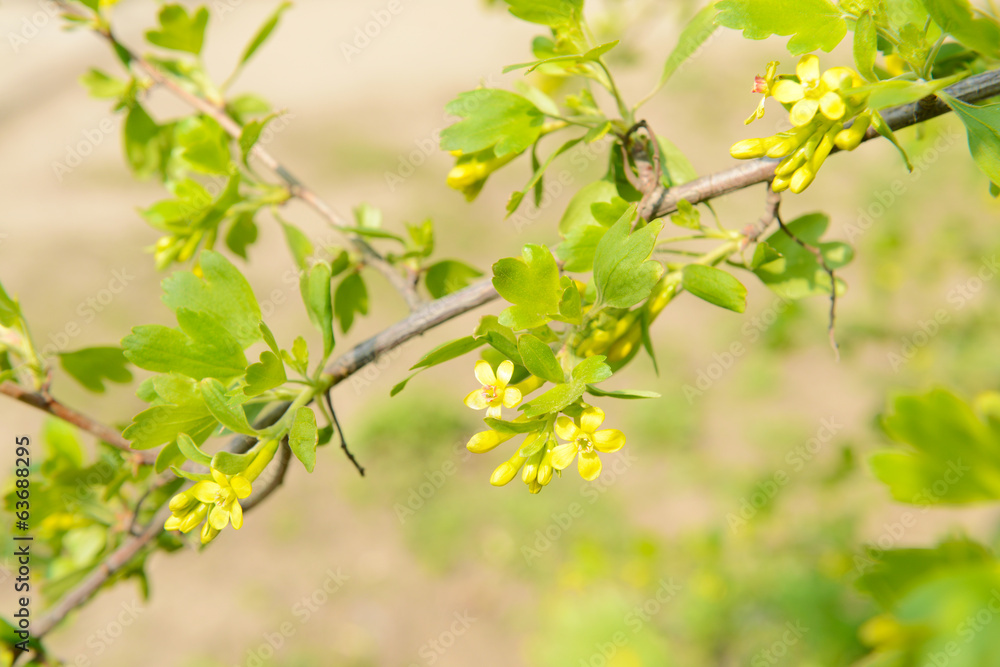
664 202
48 404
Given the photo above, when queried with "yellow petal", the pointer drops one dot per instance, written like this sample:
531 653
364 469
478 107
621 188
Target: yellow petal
219 478
218 517
835 77
591 419
803 112
504 372
772 67
832 105
563 455
484 373
476 400
208 533
241 485
786 91
589 466
609 440
494 412
511 397
808 69
236 516
205 491
758 113
566 429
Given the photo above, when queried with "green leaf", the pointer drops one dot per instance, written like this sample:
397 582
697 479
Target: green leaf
508 428
698 29
229 463
590 370
242 233
539 359
715 286
180 31
956 18
501 338
812 24
182 411
222 294
229 413
622 274
448 276
578 249
982 124
531 283
628 394
763 254
563 16
894 93
677 169
515 199
351 298
202 348
315 289
687 216
192 451
204 145
505 121
797 274
571 305
578 212
10 310
303 437
263 33
265 375
866 45
883 129
103 86
92 365
448 351
299 244
141 139
953 456
250 135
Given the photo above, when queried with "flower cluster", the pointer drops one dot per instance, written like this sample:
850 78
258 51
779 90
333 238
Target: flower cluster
818 106
540 454
217 501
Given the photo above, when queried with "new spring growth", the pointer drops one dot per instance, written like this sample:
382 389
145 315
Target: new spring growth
818 107
494 392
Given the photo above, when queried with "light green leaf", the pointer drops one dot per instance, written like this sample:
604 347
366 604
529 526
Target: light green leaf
263 33
715 286
10 310
192 451
578 212
539 359
516 198
698 29
531 283
92 365
622 274
956 18
103 86
627 394
763 254
242 233
299 244
180 31
565 17
589 371
894 93
351 298
448 351
303 437
250 135
448 276
797 274
202 348
812 24
494 118
141 139
229 412
204 145
982 124
265 375
501 338
866 45
315 289
229 463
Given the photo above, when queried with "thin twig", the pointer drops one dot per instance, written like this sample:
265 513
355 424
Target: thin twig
340 431
48 404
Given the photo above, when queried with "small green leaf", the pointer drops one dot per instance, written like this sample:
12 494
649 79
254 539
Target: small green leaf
303 437
501 338
351 298
698 29
797 274
505 121
263 33
192 451
591 370
242 233
180 31
448 351
103 86
884 94
982 124
579 212
687 216
812 24
315 289
622 274
957 18
448 276
265 375
866 45
250 135
539 359
10 310
571 305
202 348
92 365
141 139
229 463
715 286
229 413
763 254
621 393
531 283
299 244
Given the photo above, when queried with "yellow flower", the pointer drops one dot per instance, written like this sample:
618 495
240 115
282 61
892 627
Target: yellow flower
584 439
812 92
762 84
494 392
223 496
470 172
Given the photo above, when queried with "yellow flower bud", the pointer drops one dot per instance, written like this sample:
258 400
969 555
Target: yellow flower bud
462 176
182 502
208 533
824 147
530 471
788 166
191 521
484 441
779 183
506 470
749 148
801 179
849 139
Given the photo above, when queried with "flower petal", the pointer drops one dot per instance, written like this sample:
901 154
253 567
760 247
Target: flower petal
494 412
609 440
205 491
504 372
803 112
484 373
511 397
808 69
835 77
241 485
218 518
563 455
476 400
566 429
786 91
591 419
219 478
832 105
589 466
236 515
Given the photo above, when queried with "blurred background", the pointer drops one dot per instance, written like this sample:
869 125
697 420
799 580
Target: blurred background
728 531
